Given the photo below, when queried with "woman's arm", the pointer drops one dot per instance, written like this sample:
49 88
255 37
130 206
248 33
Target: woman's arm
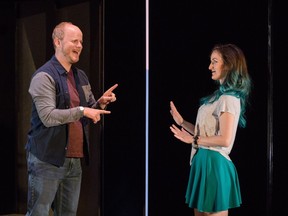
226 122
179 119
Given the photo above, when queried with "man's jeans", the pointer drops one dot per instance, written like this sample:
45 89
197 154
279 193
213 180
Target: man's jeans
52 186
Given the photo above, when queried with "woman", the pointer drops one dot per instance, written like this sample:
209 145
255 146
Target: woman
213 185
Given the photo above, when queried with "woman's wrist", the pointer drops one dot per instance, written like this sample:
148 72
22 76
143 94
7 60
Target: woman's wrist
195 141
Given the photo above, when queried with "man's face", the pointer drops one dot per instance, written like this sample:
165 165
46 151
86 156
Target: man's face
70 46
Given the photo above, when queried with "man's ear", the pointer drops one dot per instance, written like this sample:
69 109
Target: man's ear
56 42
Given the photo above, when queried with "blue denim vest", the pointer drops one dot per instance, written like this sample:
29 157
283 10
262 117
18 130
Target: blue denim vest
48 144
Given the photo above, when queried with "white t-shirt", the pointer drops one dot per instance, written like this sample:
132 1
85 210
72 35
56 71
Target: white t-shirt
208 121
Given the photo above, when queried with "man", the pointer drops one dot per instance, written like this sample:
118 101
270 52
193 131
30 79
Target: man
63 105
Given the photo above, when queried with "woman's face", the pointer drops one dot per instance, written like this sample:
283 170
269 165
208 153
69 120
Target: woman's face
217 66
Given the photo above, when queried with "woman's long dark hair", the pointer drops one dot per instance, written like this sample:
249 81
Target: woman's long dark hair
237 81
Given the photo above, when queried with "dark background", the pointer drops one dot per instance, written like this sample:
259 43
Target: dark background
182 34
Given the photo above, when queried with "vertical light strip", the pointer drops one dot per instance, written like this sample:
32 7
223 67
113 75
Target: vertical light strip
270 114
147 112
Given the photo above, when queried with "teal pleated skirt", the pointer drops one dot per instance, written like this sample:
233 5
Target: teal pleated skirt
213 184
